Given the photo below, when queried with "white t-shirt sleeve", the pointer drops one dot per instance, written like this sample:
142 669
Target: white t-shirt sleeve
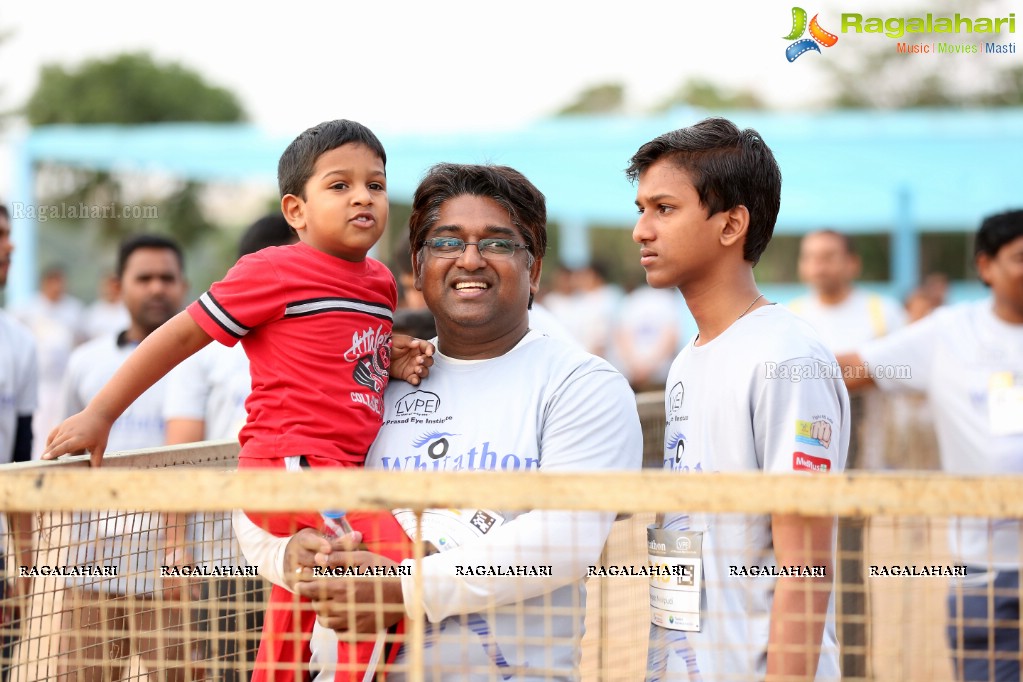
911 347
187 391
894 315
71 400
591 424
261 549
801 416
27 392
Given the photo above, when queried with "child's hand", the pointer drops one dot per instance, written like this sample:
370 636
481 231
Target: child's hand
411 358
84 431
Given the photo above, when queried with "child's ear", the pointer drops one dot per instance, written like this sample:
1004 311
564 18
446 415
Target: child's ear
735 226
293 208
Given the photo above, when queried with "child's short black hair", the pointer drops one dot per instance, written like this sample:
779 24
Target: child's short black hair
297 161
728 167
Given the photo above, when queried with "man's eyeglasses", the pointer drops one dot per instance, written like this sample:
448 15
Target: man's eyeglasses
452 247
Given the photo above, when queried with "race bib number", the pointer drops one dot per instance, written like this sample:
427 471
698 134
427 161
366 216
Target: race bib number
676 562
449 528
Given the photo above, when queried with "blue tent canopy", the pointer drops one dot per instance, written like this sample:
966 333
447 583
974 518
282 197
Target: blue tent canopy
898 172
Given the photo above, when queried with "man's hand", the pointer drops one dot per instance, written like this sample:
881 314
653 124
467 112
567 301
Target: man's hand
411 358
86 430
183 587
363 605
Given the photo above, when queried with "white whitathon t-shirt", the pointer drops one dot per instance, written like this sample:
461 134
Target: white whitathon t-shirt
211 386
19 380
724 414
128 540
545 405
951 355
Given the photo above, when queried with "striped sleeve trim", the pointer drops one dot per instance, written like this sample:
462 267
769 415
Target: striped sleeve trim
315 306
221 316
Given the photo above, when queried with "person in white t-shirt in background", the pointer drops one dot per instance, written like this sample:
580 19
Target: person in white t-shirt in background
205 400
596 303
647 336
968 360
107 314
18 388
106 619
752 391
55 320
845 316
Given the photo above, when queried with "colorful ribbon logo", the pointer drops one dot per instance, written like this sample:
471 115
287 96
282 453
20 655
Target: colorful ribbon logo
818 35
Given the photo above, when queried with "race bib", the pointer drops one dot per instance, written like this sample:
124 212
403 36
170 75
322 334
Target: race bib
676 560
449 528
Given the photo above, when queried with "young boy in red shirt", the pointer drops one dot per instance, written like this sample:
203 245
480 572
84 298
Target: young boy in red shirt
315 320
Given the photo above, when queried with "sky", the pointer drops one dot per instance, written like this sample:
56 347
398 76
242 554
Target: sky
426 66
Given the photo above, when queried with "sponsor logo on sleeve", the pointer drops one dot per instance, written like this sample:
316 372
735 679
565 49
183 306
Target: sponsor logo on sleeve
804 462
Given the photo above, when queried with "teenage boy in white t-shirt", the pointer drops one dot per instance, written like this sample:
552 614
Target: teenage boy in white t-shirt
755 390
968 360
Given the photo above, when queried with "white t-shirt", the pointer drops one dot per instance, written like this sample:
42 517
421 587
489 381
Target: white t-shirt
211 386
545 405
956 355
103 317
735 404
543 320
18 380
128 540
647 317
844 327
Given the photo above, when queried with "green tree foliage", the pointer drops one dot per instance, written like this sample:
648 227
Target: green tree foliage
871 74
702 93
129 89
605 98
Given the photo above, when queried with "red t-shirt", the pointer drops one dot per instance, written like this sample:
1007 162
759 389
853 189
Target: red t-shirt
317 331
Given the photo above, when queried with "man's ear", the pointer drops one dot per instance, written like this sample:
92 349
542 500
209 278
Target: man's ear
534 276
293 208
983 265
417 270
735 226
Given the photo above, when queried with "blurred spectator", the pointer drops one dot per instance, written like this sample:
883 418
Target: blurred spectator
107 619
409 297
596 305
17 402
560 298
847 317
927 297
55 320
647 336
106 315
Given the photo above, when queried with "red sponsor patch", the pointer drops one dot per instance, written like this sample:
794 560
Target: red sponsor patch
804 462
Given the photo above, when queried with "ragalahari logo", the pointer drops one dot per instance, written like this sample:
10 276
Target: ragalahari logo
817 35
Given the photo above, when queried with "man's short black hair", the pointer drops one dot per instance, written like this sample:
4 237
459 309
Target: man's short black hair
3 212
728 167
270 230
146 241
998 230
296 164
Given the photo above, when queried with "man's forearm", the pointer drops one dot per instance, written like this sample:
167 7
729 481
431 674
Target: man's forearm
797 627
